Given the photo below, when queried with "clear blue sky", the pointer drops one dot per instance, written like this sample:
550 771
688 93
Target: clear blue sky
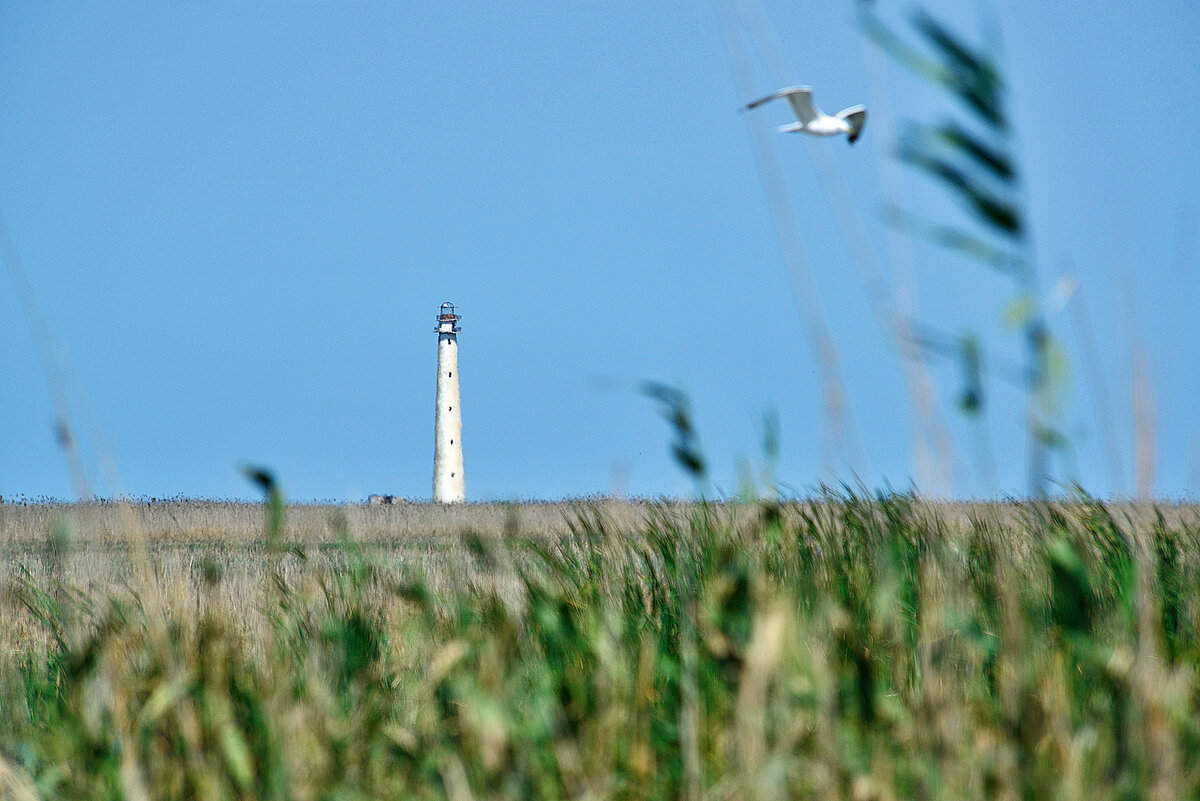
240 218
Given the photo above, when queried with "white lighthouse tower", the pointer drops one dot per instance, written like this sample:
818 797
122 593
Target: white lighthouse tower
448 485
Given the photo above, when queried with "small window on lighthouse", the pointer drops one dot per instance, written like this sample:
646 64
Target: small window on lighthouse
449 375
450 409
451 442
451 475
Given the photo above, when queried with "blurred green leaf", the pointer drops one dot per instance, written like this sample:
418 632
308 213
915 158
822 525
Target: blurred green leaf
163 698
1072 600
968 75
1058 365
999 213
953 239
677 411
771 435
1049 436
237 756
971 399
266 482
1018 311
974 78
956 138
892 44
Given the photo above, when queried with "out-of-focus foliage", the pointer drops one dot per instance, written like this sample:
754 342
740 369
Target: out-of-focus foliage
973 160
841 647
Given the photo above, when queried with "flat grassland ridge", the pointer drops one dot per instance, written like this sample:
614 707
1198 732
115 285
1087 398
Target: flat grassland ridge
840 647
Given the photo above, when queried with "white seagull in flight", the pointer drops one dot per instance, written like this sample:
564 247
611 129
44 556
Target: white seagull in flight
811 120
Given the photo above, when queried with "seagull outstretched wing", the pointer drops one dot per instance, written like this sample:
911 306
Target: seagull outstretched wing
856 118
800 98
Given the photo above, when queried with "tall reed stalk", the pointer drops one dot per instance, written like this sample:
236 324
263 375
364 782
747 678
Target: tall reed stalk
975 161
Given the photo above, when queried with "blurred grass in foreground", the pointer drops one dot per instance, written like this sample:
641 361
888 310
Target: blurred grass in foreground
848 647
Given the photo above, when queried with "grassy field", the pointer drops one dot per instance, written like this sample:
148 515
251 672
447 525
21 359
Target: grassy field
842 647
